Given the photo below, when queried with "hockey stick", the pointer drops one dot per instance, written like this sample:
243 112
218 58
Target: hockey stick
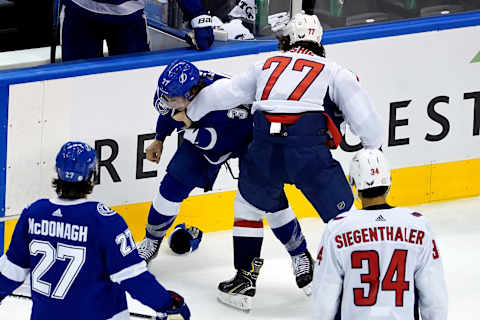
133 314
14 217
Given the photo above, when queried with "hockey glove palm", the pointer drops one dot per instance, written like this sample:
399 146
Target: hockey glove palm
177 311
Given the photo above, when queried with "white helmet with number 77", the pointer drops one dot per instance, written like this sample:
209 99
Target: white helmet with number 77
369 169
303 27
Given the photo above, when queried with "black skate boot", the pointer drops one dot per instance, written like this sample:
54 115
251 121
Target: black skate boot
302 265
148 249
239 291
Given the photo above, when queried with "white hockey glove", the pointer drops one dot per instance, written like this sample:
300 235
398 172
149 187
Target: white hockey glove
177 311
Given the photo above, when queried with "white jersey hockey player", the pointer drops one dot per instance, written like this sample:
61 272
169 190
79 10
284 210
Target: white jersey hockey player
376 262
295 81
299 100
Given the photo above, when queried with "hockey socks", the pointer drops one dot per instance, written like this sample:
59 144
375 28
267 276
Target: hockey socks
247 242
292 237
158 224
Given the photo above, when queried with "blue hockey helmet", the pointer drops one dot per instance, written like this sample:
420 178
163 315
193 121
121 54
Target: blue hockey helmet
76 161
176 80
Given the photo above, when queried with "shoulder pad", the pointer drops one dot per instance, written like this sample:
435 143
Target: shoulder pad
105 210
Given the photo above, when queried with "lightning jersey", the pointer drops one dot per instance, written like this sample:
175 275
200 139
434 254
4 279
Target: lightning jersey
295 82
218 136
374 261
81 258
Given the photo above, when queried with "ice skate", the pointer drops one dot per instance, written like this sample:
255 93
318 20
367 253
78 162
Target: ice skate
239 291
302 265
148 249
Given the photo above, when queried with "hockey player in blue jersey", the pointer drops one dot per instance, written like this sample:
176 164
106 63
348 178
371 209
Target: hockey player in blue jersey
80 254
196 163
218 136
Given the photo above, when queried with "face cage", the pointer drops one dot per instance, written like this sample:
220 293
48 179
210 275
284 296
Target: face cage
163 106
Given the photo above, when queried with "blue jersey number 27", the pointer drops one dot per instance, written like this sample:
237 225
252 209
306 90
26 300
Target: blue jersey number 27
75 254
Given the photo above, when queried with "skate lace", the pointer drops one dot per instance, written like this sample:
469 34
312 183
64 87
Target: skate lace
147 247
301 264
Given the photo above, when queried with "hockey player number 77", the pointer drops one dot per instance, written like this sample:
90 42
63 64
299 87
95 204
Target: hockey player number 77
300 64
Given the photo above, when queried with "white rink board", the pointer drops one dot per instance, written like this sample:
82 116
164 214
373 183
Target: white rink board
118 106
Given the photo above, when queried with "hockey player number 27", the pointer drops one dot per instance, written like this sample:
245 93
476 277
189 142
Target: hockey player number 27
396 267
75 254
299 65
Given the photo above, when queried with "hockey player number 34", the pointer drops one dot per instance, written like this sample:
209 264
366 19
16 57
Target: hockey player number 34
299 65
396 266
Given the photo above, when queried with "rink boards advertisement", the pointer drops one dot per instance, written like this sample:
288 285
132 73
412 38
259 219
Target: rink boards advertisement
425 86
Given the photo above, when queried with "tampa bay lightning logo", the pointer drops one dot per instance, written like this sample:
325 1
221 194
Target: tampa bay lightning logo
183 78
104 210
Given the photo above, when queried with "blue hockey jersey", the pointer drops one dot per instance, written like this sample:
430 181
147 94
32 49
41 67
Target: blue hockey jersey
81 257
220 134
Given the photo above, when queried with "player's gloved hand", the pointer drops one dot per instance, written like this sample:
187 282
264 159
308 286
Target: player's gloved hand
177 311
183 240
202 35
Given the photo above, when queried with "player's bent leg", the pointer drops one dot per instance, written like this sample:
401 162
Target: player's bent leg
286 228
247 244
162 214
328 191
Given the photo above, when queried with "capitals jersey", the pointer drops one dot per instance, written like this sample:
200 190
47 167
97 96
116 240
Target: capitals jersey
295 82
377 262
219 135
81 258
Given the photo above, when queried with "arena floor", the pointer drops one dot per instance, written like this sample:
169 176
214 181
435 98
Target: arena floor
456 224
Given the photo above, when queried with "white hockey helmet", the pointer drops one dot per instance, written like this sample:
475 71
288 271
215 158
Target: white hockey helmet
369 169
304 27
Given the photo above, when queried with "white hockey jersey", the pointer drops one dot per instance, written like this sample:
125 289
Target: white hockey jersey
373 261
294 82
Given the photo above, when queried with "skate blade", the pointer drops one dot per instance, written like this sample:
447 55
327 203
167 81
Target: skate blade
308 289
238 301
